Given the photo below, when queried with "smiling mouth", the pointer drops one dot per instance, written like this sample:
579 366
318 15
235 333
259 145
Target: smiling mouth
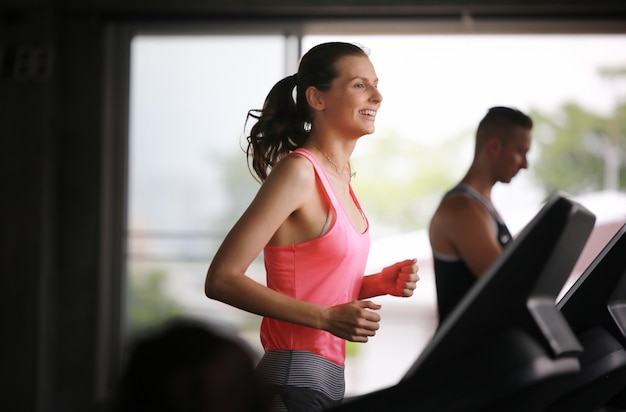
368 112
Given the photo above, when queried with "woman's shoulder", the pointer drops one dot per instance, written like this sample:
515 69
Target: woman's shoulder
295 168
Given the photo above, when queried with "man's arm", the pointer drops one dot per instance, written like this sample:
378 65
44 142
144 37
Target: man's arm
463 228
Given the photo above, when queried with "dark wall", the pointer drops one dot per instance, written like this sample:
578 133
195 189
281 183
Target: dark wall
27 207
51 129
63 174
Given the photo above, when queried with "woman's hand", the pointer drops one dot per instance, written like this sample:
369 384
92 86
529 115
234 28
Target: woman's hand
400 279
354 321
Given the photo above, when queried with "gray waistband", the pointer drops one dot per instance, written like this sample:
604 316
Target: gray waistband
304 370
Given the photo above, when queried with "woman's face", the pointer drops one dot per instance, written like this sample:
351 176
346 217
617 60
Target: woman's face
350 106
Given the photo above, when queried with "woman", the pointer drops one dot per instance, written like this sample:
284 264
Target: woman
310 227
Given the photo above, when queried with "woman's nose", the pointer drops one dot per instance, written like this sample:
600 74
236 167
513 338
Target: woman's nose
377 96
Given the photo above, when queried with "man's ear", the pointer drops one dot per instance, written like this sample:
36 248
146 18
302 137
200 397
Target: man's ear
493 143
314 98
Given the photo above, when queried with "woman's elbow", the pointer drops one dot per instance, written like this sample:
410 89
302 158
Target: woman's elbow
208 290
211 288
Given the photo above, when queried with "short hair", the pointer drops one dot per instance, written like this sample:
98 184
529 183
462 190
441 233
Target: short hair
500 121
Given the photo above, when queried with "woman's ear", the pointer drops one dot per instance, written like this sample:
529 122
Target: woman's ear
314 98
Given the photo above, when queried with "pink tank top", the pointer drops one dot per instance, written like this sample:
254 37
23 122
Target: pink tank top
327 271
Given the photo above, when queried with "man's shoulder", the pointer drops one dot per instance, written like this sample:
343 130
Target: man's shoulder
457 202
458 210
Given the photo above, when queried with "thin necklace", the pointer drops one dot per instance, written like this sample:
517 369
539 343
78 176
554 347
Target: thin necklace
350 175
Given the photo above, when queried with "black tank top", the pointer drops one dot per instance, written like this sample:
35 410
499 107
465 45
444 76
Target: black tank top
453 278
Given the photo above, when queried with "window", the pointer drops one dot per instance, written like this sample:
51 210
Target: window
188 175
189 181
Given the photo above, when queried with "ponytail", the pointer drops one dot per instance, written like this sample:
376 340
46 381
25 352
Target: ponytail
279 128
284 123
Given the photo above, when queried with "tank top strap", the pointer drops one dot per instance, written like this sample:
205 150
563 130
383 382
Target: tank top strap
321 173
464 189
504 235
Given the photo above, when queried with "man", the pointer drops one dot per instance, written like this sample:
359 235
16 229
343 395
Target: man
466 232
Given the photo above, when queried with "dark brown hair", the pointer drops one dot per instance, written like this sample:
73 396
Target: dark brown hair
284 123
501 121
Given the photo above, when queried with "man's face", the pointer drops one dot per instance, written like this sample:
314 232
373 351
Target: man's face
513 154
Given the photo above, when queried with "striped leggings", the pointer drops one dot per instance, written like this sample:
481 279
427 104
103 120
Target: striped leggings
302 381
